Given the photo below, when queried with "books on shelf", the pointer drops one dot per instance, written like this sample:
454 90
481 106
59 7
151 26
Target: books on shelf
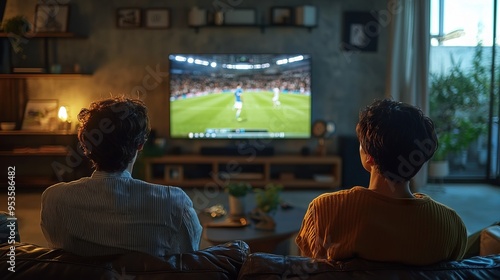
28 70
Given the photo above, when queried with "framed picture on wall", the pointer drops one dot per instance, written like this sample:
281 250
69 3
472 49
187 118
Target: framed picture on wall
281 15
360 31
157 18
128 18
40 114
51 18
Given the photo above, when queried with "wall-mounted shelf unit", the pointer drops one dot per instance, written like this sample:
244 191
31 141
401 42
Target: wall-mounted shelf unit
44 35
38 157
256 26
47 37
43 75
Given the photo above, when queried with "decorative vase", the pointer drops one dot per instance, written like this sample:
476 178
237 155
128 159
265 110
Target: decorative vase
236 206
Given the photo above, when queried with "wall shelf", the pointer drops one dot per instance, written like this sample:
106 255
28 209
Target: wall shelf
43 75
262 27
44 35
36 132
41 158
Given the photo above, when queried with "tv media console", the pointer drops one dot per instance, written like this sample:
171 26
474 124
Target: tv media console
202 171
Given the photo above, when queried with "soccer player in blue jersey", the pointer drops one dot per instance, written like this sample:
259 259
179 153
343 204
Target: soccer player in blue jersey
238 102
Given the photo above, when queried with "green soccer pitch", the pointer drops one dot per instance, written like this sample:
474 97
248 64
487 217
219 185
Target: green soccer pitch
196 114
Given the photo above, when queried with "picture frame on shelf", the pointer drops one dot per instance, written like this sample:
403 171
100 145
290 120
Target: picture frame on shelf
360 31
128 17
282 16
157 18
40 114
238 17
173 173
51 18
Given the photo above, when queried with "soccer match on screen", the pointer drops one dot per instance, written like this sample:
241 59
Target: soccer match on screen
240 96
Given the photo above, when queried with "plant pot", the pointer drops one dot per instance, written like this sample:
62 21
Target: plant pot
236 206
262 220
439 169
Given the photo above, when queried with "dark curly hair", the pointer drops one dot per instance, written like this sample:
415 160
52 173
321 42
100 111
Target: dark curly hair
398 136
112 130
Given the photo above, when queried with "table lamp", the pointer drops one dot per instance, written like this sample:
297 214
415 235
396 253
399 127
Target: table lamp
65 122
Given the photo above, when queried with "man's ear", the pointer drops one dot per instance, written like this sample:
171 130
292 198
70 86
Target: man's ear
369 159
141 146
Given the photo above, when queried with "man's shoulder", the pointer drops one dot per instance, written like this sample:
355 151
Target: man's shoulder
340 195
66 185
171 191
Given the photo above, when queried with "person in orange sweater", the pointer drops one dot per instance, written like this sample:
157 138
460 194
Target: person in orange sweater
386 221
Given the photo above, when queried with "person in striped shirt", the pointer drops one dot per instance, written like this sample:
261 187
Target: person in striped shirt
386 221
110 212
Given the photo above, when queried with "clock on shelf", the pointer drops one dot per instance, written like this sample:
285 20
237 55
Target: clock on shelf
322 129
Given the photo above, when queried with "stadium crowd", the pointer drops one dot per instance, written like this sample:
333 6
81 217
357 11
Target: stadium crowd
187 85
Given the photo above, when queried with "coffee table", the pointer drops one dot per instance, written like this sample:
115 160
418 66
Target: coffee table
288 222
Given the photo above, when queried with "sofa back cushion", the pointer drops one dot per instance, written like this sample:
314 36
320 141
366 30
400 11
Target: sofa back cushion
269 267
35 262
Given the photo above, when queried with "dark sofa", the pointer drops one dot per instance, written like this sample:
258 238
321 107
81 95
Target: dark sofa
226 261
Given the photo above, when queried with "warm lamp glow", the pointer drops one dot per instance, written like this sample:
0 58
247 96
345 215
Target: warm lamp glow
63 114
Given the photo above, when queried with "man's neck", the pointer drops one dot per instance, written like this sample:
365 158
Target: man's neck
381 185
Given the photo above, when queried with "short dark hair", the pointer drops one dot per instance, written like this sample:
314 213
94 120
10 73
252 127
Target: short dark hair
111 131
398 136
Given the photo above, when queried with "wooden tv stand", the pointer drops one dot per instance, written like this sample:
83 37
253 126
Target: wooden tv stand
211 171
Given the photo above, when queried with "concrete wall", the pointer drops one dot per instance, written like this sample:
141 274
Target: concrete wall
120 59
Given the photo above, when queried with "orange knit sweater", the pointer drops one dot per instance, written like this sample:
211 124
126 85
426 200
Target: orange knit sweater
362 223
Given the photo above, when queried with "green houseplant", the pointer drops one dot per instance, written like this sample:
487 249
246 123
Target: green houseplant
16 28
18 25
237 191
458 99
268 199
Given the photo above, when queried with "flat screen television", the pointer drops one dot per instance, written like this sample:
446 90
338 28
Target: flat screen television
240 96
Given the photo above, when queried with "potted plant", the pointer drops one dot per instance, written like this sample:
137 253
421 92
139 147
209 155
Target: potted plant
237 191
16 28
439 165
267 201
458 100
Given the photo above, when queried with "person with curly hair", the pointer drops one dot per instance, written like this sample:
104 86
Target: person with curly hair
110 212
386 221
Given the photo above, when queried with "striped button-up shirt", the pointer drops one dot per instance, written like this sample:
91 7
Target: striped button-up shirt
112 213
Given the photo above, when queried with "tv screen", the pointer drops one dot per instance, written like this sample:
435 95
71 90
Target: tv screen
240 96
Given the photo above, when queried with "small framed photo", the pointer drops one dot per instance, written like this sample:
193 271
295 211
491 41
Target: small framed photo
51 18
157 18
40 114
282 16
173 173
360 31
128 17
238 17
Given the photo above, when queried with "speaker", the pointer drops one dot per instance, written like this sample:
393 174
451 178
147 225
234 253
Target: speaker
353 172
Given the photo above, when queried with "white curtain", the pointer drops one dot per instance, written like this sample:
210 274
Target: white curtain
408 59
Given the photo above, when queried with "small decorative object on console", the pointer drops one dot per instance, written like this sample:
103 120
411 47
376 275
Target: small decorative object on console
237 191
8 125
267 201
